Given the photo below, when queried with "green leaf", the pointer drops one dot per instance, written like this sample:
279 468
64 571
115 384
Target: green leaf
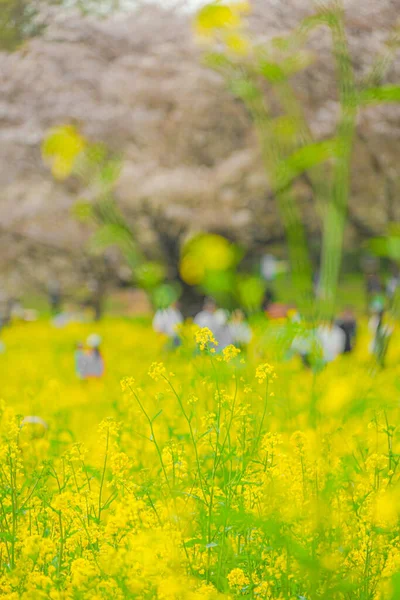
165 294
150 274
82 211
393 229
110 172
95 155
273 72
378 246
387 247
285 128
376 95
303 159
217 60
326 16
244 89
393 244
250 291
395 586
297 62
109 235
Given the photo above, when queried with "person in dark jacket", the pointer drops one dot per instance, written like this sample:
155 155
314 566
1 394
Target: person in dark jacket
348 323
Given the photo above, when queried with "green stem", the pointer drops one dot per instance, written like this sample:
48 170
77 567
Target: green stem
103 475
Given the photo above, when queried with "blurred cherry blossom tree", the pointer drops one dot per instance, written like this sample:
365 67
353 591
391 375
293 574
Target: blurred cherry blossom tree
191 160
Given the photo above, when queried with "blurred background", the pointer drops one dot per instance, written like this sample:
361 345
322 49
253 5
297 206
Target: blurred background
174 155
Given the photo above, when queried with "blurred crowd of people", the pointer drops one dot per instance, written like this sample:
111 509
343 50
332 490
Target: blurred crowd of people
226 328
326 339
315 343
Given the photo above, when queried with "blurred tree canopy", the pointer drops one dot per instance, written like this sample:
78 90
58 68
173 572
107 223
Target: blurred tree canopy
191 161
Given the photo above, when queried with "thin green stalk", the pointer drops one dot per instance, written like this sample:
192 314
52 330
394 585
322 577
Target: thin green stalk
191 435
103 475
153 437
336 210
214 471
61 548
257 439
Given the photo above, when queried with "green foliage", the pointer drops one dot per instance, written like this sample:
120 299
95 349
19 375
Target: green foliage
112 229
279 72
20 19
250 292
68 153
107 235
272 72
327 15
387 246
149 275
244 89
165 294
99 167
288 147
18 23
82 211
395 586
376 95
304 159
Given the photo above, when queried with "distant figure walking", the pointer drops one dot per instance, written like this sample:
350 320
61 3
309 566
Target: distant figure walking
332 340
393 286
81 360
54 295
215 320
317 283
348 324
382 333
373 288
95 358
166 322
96 288
89 362
240 331
268 299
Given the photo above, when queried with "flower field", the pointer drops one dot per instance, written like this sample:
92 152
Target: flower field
195 474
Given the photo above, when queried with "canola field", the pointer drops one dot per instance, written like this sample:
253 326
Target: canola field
194 474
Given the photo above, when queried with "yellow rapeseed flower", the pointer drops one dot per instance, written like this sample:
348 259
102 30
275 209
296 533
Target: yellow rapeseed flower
230 352
157 370
204 337
237 578
265 371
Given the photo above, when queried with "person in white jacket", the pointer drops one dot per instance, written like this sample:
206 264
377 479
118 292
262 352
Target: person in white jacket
240 331
216 322
332 340
166 322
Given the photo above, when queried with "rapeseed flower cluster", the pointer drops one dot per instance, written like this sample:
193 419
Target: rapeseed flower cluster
230 352
204 338
201 485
